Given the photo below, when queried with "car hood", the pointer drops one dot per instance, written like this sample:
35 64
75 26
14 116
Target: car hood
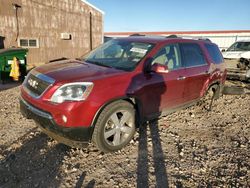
73 70
246 55
233 54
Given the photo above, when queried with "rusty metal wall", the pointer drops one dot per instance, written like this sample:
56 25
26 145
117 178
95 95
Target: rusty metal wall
46 20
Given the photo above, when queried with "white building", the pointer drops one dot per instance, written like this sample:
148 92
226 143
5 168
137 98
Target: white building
222 38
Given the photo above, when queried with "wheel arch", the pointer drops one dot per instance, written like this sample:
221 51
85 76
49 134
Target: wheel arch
215 86
132 100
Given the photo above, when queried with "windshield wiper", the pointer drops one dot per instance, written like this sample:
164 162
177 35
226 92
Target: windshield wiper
98 63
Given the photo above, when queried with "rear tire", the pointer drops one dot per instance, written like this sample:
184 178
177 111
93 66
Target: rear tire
115 126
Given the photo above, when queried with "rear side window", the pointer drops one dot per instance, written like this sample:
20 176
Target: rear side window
214 53
192 55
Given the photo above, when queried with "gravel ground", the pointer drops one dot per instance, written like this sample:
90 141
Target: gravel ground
189 148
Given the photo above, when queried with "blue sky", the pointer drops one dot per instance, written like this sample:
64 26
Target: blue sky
174 15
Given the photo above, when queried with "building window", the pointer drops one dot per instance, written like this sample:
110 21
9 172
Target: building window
28 43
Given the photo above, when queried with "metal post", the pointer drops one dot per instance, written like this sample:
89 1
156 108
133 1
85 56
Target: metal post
90 31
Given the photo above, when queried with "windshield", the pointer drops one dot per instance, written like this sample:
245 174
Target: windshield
240 46
119 54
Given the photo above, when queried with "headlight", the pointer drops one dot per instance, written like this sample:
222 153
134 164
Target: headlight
77 91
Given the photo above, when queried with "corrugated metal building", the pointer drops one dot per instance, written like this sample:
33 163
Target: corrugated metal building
222 38
50 28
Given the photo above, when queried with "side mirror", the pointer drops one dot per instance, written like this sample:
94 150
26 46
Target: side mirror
158 68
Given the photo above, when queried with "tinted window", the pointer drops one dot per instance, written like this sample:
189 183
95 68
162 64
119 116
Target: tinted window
214 53
168 55
192 54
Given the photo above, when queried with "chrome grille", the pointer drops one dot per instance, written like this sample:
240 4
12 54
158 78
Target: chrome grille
36 84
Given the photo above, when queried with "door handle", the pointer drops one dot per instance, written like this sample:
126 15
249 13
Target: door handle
181 78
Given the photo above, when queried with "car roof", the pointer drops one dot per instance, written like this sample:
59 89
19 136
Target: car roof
160 39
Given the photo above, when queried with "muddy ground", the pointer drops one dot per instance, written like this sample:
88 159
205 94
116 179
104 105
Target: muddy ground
189 148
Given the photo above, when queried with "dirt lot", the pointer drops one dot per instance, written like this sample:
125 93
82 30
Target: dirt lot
189 148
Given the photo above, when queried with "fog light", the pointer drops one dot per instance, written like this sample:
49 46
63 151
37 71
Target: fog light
64 118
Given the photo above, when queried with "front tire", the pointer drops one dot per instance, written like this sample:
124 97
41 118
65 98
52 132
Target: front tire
115 126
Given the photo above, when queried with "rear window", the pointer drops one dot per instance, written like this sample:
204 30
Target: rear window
192 55
214 53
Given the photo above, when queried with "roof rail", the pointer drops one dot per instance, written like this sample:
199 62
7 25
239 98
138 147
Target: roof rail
172 36
196 38
206 39
136 34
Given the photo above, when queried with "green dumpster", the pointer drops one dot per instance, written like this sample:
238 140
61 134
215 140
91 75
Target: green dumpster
6 59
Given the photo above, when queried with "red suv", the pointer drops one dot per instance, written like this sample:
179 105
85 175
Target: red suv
121 84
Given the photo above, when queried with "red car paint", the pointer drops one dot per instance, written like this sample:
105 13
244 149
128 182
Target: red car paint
176 88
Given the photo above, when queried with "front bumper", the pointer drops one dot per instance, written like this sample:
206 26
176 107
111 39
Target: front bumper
72 136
